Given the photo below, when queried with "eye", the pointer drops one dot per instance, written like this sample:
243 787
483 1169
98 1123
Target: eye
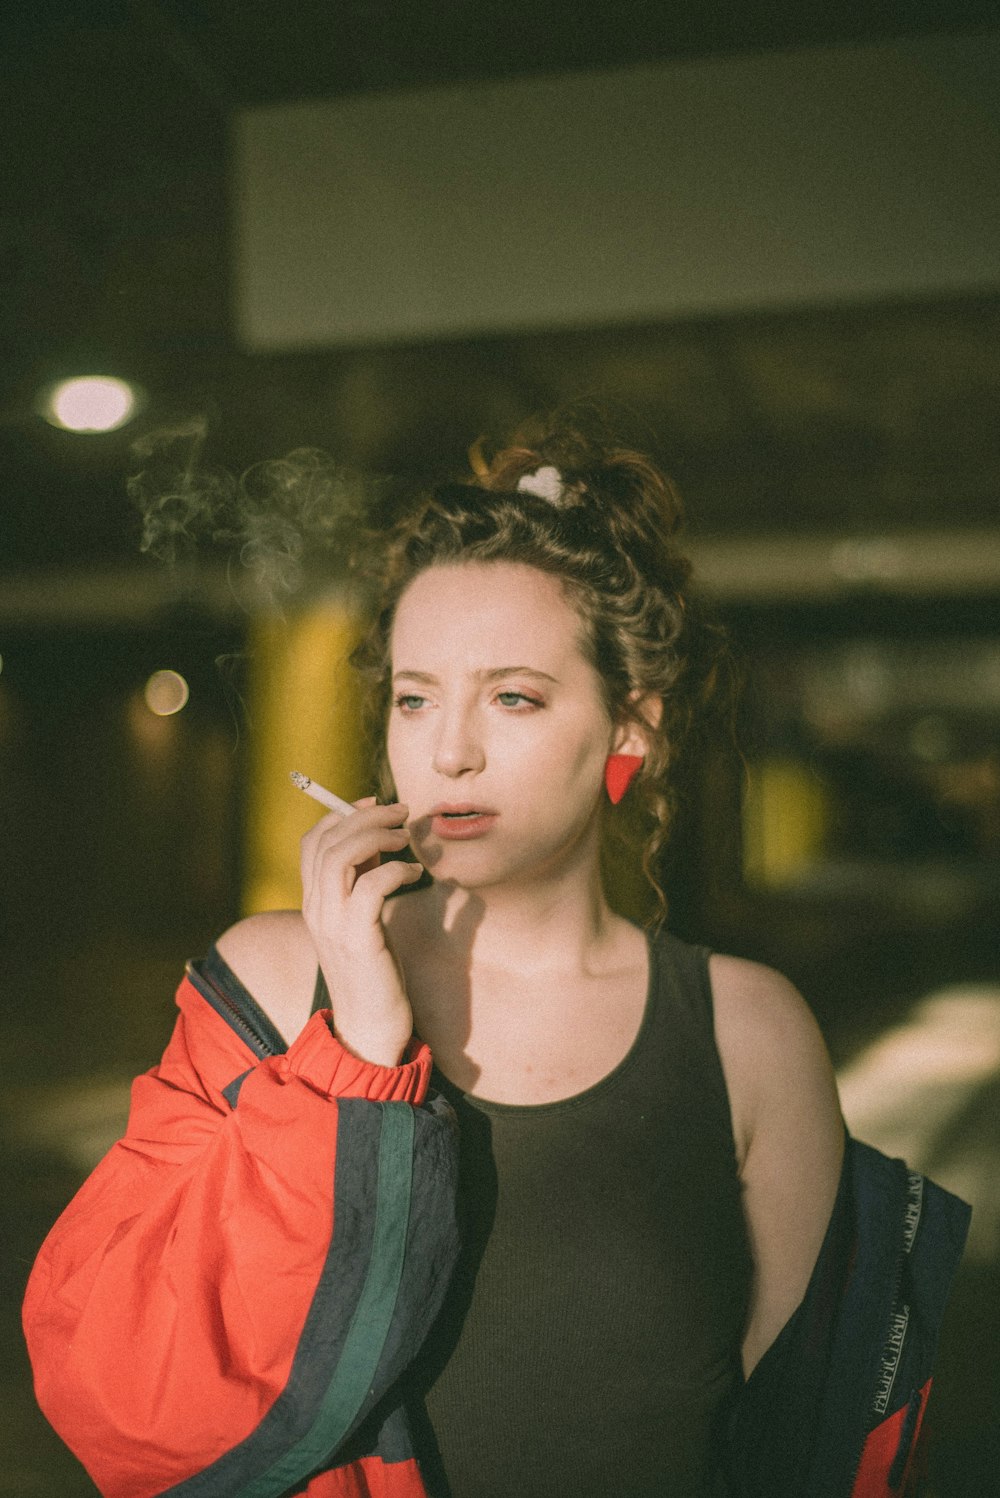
410 702
518 700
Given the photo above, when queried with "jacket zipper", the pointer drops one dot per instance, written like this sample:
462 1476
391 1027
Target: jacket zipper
236 1018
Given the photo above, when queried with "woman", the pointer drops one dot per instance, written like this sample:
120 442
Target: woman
649 1146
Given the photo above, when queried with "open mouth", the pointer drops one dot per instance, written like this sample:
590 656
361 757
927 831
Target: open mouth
456 810
462 821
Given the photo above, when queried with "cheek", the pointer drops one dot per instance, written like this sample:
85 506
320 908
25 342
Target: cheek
400 762
409 749
573 764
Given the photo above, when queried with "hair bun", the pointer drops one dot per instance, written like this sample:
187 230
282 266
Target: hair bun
574 463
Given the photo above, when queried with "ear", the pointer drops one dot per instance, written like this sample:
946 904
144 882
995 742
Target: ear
632 736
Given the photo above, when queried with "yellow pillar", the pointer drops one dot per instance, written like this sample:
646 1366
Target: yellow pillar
305 714
786 814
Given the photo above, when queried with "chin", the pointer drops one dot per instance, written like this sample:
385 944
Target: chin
466 871
465 864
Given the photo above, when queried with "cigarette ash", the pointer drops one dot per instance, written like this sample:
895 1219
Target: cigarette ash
282 520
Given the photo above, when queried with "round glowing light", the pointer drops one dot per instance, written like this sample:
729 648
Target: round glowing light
91 403
166 692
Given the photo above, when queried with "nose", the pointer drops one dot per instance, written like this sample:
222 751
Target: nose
458 749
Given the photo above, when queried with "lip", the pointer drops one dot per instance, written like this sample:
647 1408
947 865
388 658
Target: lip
445 808
460 826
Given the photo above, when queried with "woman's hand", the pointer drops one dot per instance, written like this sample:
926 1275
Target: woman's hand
344 887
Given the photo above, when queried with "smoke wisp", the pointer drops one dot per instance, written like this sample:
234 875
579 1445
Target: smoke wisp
280 520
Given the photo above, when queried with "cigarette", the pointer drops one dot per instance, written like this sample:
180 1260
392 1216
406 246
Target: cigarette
321 794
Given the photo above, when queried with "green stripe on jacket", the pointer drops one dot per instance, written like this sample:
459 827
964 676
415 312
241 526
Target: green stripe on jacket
355 1372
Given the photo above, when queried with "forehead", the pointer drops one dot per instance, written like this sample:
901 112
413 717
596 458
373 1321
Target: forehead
485 613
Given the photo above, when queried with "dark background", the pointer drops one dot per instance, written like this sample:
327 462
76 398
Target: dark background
123 851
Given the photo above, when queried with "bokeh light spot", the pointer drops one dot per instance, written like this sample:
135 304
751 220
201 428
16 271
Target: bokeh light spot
166 692
91 403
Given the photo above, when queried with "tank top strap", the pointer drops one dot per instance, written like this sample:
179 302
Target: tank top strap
679 1034
321 994
681 981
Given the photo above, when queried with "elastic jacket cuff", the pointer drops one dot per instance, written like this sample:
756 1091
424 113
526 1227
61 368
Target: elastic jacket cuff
319 1058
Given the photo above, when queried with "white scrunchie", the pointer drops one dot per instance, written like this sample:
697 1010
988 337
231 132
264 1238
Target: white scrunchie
546 483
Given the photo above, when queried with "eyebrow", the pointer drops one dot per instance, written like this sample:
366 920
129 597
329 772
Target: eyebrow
494 674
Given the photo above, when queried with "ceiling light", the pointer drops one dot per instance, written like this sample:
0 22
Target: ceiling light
166 692
90 403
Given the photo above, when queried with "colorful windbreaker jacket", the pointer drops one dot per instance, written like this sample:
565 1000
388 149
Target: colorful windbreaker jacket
226 1307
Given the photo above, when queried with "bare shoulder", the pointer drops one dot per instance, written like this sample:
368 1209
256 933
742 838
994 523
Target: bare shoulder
789 1134
273 956
758 1004
773 1053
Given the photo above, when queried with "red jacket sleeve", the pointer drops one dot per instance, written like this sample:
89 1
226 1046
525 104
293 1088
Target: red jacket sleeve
235 1286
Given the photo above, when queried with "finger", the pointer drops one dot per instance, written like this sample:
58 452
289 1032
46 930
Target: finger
330 826
356 839
312 841
383 814
334 826
374 886
389 841
337 865
348 833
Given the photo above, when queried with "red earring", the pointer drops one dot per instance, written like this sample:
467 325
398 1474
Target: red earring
619 773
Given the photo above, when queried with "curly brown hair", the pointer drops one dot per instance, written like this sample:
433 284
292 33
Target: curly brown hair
609 536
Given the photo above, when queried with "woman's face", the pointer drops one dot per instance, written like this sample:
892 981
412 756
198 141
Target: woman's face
497 733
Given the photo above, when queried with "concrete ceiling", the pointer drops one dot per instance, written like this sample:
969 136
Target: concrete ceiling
262 51
114 254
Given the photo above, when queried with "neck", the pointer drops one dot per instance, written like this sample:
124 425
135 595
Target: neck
526 927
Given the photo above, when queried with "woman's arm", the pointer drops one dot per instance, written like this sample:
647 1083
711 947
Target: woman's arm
789 1134
247 1272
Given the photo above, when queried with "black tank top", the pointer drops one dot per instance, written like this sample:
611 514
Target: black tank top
589 1344
590 1341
